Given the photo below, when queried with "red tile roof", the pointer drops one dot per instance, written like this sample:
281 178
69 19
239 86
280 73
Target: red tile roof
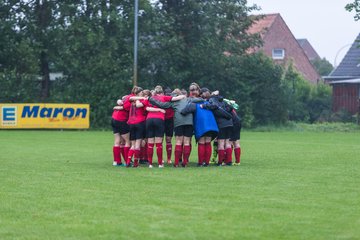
263 24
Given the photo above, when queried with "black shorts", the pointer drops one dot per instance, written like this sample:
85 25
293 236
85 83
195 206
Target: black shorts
154 127
120 127
137 131
225 133
169 127
184 130
235 133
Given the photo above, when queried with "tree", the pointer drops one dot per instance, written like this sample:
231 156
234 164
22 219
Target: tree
267 93
297 91
192 38
322 66
320 102
19 66
354 6
96 58
33 25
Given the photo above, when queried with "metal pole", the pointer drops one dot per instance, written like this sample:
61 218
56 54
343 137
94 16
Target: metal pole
337 53
135 41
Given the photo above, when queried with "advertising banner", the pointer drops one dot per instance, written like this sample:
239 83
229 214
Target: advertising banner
44 115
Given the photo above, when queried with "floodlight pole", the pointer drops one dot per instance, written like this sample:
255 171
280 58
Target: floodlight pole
337 53
135 41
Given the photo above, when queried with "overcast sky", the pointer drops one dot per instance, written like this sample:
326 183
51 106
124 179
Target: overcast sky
329 28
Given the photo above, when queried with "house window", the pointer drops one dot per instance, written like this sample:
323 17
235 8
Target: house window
278 53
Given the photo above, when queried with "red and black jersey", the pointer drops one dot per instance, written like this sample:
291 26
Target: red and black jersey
137 115
169 114
160 115
122 115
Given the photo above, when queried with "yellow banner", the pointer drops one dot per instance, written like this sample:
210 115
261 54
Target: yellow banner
44 115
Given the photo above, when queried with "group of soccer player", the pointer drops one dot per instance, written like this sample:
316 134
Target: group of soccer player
141 119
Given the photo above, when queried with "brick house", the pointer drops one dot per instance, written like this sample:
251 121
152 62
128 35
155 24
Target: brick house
308 49
345 81
281 45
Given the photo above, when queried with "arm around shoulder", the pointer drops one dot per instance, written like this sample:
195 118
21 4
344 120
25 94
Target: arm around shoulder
159 103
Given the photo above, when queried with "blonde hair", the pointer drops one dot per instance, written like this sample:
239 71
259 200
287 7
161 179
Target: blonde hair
196 85
158 89
177 91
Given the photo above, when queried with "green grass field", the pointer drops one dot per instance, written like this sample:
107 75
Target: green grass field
290 185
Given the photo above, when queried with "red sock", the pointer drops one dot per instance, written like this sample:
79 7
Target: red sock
221 155
186 154
201 153
130 155
208 152
178 153
237 154
150 152
116 154
168 151
228 155
159 153
126 152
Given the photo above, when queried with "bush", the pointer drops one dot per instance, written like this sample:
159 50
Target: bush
342 116
19 88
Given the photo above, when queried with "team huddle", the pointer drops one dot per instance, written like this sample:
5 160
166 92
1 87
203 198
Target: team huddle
141 119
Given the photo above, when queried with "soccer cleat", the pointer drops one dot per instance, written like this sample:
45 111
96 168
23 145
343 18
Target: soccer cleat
205 164
161 165
117 164
168 161
176 165
236 164
199 165
228 164
150 166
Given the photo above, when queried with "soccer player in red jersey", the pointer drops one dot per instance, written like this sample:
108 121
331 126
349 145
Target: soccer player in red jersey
183 124
144 144
155 125
136 122
121 130
169 128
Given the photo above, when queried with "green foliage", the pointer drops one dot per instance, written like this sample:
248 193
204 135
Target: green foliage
91 43
354 7
192 38
298 95
342 116
322 66
18 88
306 102
95 61
320 102
261 90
